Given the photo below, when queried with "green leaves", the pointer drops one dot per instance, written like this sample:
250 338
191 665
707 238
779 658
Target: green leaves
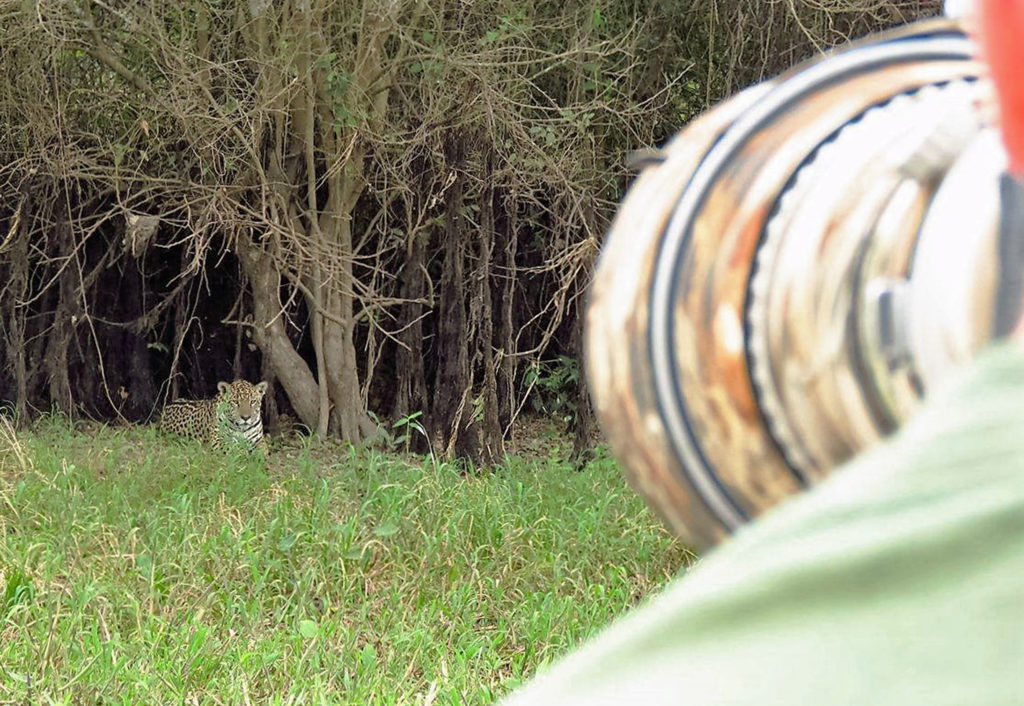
287 541
385 530
545 134
368 658
17 590
119 150
337 81
553 383
308 629
326 61
509 26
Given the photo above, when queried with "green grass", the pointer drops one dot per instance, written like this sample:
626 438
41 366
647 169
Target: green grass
136 569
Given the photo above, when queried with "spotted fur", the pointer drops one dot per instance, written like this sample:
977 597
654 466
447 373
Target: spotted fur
232 416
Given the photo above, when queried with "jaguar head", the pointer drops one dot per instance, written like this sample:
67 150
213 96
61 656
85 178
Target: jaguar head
243 401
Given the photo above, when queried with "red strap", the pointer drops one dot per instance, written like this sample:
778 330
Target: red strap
1002 39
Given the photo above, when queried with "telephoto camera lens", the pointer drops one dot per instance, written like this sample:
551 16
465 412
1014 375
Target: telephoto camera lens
792 273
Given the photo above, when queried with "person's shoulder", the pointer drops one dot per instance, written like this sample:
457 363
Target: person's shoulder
922 535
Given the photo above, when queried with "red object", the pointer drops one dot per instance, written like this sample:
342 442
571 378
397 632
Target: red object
1002 40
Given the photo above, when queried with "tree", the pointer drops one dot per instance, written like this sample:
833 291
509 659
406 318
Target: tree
388 204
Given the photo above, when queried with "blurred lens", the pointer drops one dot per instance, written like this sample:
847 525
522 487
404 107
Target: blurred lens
795 271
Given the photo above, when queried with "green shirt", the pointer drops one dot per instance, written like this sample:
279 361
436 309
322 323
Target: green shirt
899 580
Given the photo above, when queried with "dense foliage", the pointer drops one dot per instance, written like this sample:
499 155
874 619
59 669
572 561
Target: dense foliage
388 205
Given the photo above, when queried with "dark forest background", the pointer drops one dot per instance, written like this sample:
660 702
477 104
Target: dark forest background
382 206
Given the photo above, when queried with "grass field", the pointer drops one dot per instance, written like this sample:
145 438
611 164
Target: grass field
136 569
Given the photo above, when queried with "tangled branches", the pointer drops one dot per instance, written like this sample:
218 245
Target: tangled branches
388 204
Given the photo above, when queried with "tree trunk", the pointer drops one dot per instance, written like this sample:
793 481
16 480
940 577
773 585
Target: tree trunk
18 288
59 341
585 422
453 405
142 390
411 381
492 442
271 336
271 412
348 415
506 374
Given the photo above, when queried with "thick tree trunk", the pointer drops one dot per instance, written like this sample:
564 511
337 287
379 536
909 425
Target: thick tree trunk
452 412
269 332
343 379
348 414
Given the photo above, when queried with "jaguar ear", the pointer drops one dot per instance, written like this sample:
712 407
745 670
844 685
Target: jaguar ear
223 387
262 386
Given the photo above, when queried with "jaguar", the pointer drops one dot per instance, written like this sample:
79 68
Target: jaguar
233 416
